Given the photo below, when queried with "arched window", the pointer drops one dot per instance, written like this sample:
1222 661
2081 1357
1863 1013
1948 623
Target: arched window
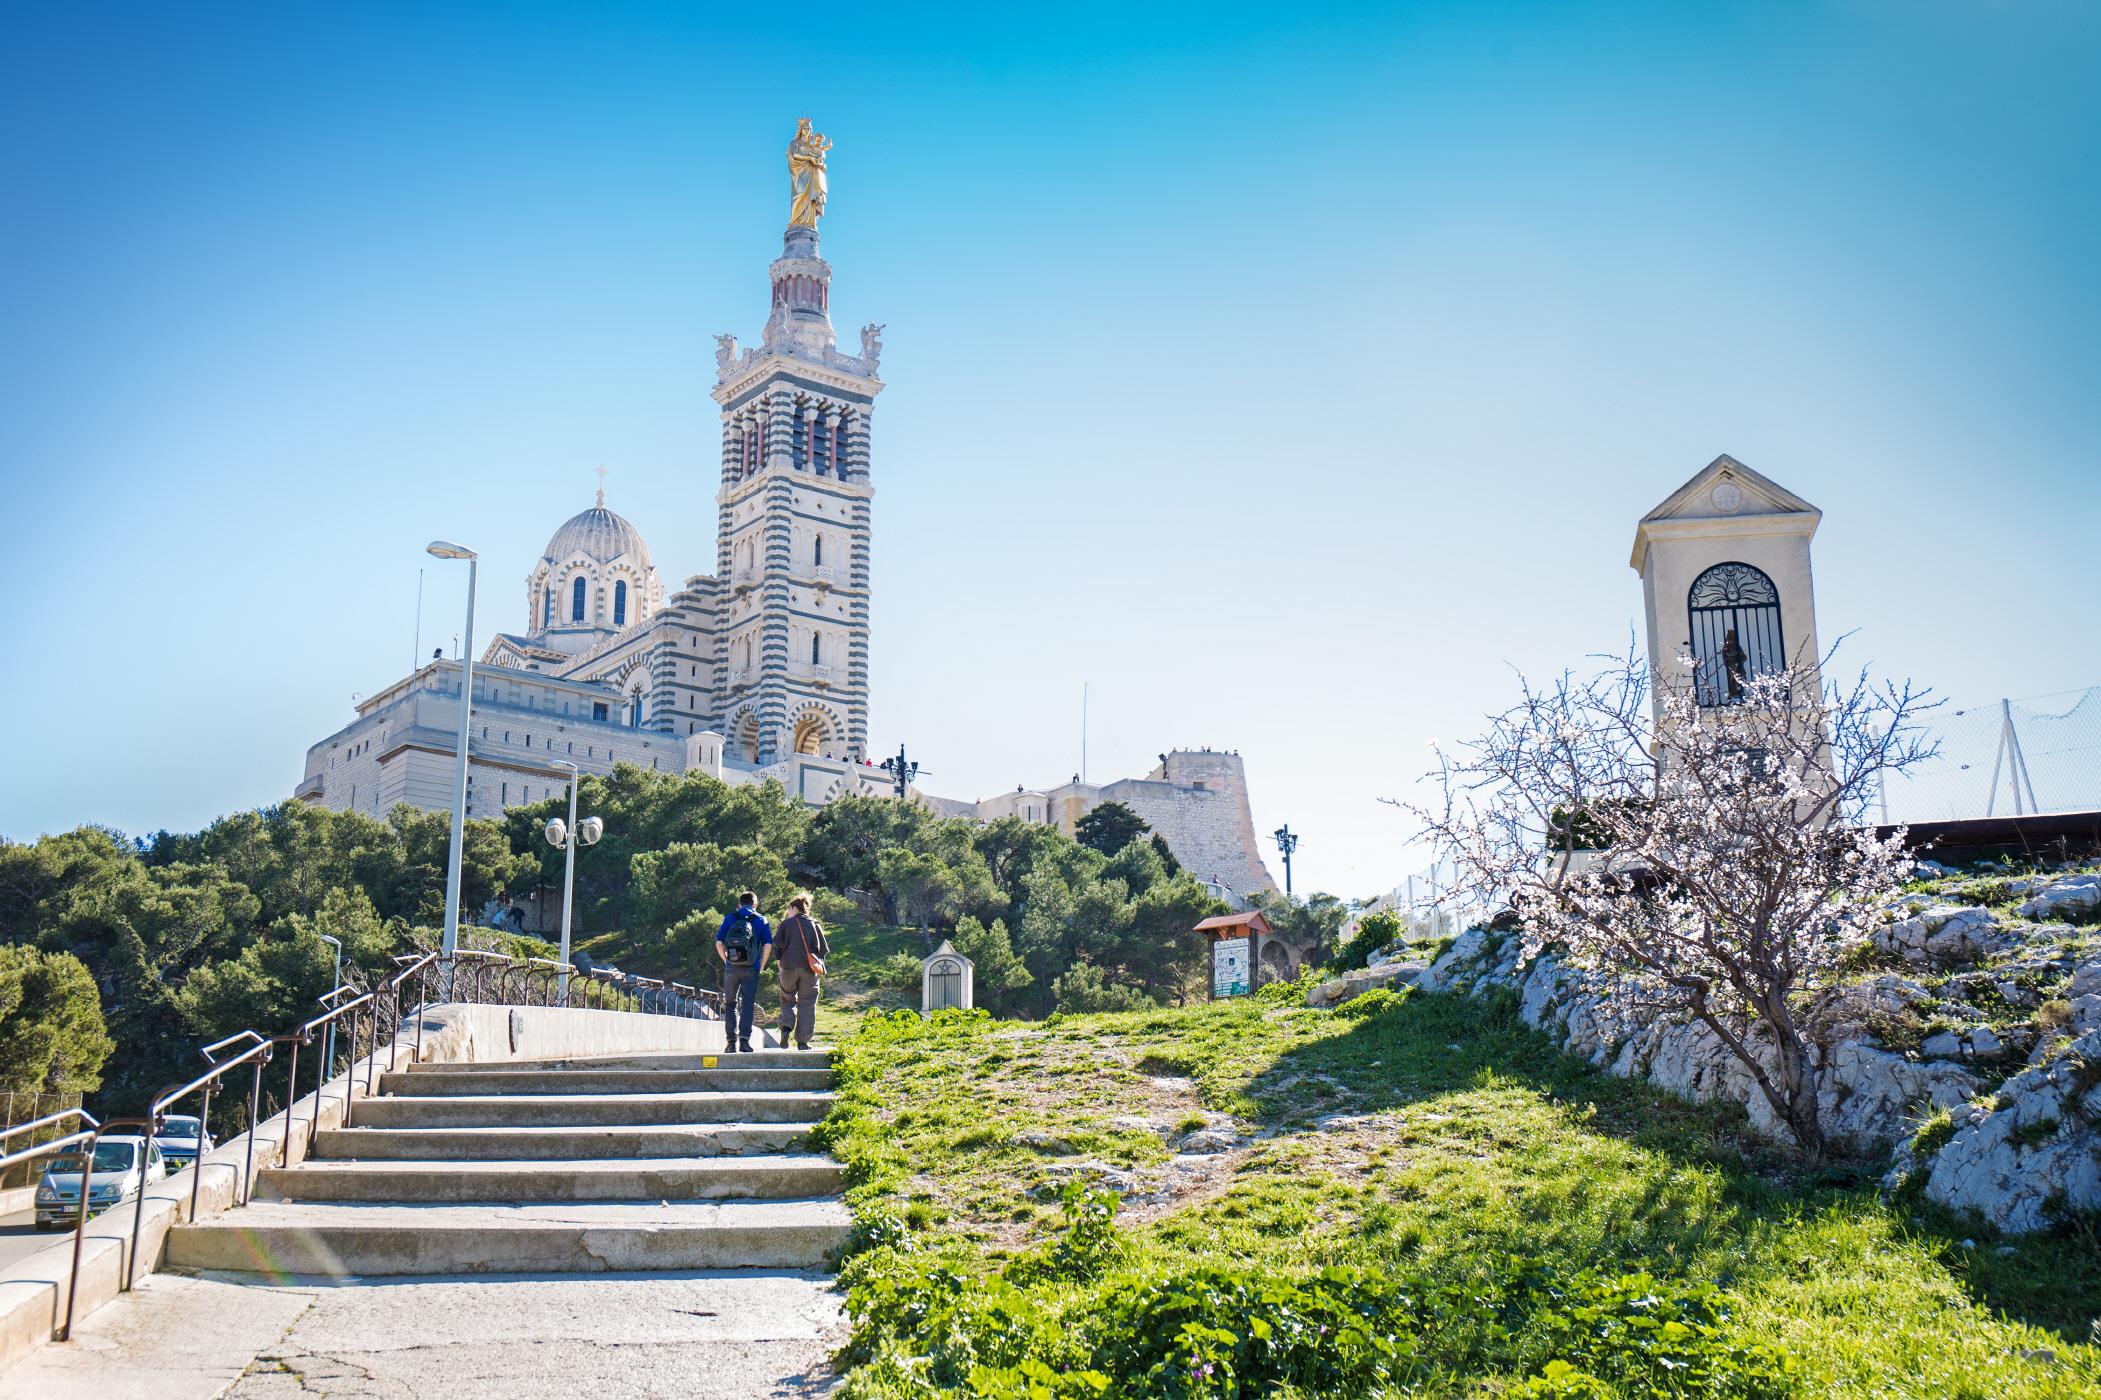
547 608
576 600
816 648
620 603
1735 615
817 550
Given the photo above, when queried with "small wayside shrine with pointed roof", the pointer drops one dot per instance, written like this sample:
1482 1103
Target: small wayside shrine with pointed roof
1724 565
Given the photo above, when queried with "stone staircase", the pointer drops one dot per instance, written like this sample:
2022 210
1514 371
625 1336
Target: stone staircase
637 1162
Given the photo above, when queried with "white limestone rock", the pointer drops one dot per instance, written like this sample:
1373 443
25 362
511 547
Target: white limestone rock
1206 1141
1869 1098
1456 969
1881 1000
2086 981
2061 897
2039 1142
1945 933
1358 981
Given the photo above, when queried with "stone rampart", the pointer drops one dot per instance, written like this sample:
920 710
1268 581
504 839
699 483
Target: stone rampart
1196 799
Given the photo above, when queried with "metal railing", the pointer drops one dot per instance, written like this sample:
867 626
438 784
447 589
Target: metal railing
356 1016
88 1138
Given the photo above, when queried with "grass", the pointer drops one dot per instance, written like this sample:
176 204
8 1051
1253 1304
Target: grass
1428 1139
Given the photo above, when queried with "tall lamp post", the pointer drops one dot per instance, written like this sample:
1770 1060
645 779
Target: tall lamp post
445 549
1287 842
901 770
566 837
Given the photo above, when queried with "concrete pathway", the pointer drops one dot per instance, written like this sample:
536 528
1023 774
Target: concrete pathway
532 1167
736 1335
484 1230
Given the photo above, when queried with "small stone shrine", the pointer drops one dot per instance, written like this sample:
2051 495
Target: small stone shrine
1724 565
946 979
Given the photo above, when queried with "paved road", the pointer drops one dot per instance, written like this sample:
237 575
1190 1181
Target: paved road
19 1237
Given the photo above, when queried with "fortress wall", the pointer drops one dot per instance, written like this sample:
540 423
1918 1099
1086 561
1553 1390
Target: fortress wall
1197 801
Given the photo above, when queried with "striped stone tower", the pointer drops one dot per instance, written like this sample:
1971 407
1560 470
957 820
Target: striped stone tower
792 641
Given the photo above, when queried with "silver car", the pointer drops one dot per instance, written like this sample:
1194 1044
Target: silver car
118 1174
182 1140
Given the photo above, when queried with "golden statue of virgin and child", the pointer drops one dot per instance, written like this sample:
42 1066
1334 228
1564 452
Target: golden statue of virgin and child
806 185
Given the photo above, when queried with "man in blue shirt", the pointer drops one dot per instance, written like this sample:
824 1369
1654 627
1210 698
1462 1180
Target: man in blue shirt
744 943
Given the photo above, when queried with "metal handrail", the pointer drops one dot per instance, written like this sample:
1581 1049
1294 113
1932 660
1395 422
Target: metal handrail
92 1136
258 1052
486 975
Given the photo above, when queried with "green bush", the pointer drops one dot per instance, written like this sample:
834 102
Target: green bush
1089 1246
1235 1330
1084 989
1378 930
1655 1338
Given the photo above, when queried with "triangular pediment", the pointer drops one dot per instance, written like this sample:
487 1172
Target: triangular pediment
1726 487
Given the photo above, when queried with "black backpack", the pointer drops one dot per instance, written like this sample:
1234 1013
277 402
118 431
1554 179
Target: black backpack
740 941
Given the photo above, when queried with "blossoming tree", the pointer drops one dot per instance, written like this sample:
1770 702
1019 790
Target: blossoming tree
1708 859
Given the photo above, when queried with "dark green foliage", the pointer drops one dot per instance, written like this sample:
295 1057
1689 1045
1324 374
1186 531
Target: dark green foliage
1376 931
1109 828
51 1035
1651 1337
1167 857
1314 922
1084 989
188 938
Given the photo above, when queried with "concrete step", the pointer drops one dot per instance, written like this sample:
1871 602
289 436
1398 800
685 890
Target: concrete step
558 1144
431 1083
659 1179
584 1111
680 1059
298 1237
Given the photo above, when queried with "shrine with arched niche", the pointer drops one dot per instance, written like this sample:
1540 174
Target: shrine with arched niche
1726 584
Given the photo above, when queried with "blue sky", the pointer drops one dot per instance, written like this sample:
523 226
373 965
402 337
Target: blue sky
1288 375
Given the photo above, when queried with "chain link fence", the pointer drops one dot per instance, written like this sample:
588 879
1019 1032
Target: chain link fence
2004 758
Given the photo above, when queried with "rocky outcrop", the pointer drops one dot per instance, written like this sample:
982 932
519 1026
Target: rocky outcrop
1947 934
2032 1149
1869 1097
1966 998
2058 897
1356 982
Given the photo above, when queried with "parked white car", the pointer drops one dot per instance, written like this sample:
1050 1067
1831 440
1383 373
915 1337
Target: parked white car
182 1140
118 1175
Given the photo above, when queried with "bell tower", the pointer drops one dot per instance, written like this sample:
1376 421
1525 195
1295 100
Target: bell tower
793 509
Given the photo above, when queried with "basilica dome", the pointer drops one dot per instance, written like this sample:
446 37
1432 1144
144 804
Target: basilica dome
598 534
595 579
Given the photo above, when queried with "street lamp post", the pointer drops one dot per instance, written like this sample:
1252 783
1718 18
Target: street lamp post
901 770
445 549
566 838
1287 842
